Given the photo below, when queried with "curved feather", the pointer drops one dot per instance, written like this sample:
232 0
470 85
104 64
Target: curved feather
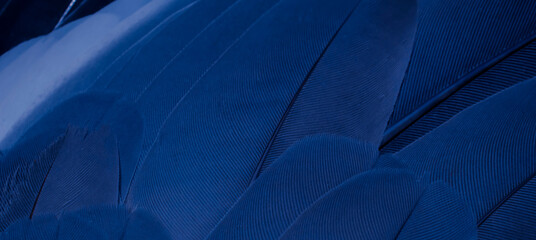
160 87
163 48
441 213
514 218
352 89
306 171
93 111
208 129
353 63
84 173
517 67
90 111
387 202
371 205
22 173
453 44
207 150
485 152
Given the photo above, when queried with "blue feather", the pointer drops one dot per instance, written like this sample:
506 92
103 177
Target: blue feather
84 173
371 205
516 68
238 119
456 41
93 111
306 171
352 89
441 213
95 223
22 174
485 152
514 217
210 141
386 202
43 228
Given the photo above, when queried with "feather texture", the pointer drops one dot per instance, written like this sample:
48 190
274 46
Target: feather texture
485 151
454 42
441 213
352 89
96 223
518 67
306 171
37 151
22 173
376 205
190 53
386 202
93 111
514 218
84 173
235 119
209 145
44 227
314 159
